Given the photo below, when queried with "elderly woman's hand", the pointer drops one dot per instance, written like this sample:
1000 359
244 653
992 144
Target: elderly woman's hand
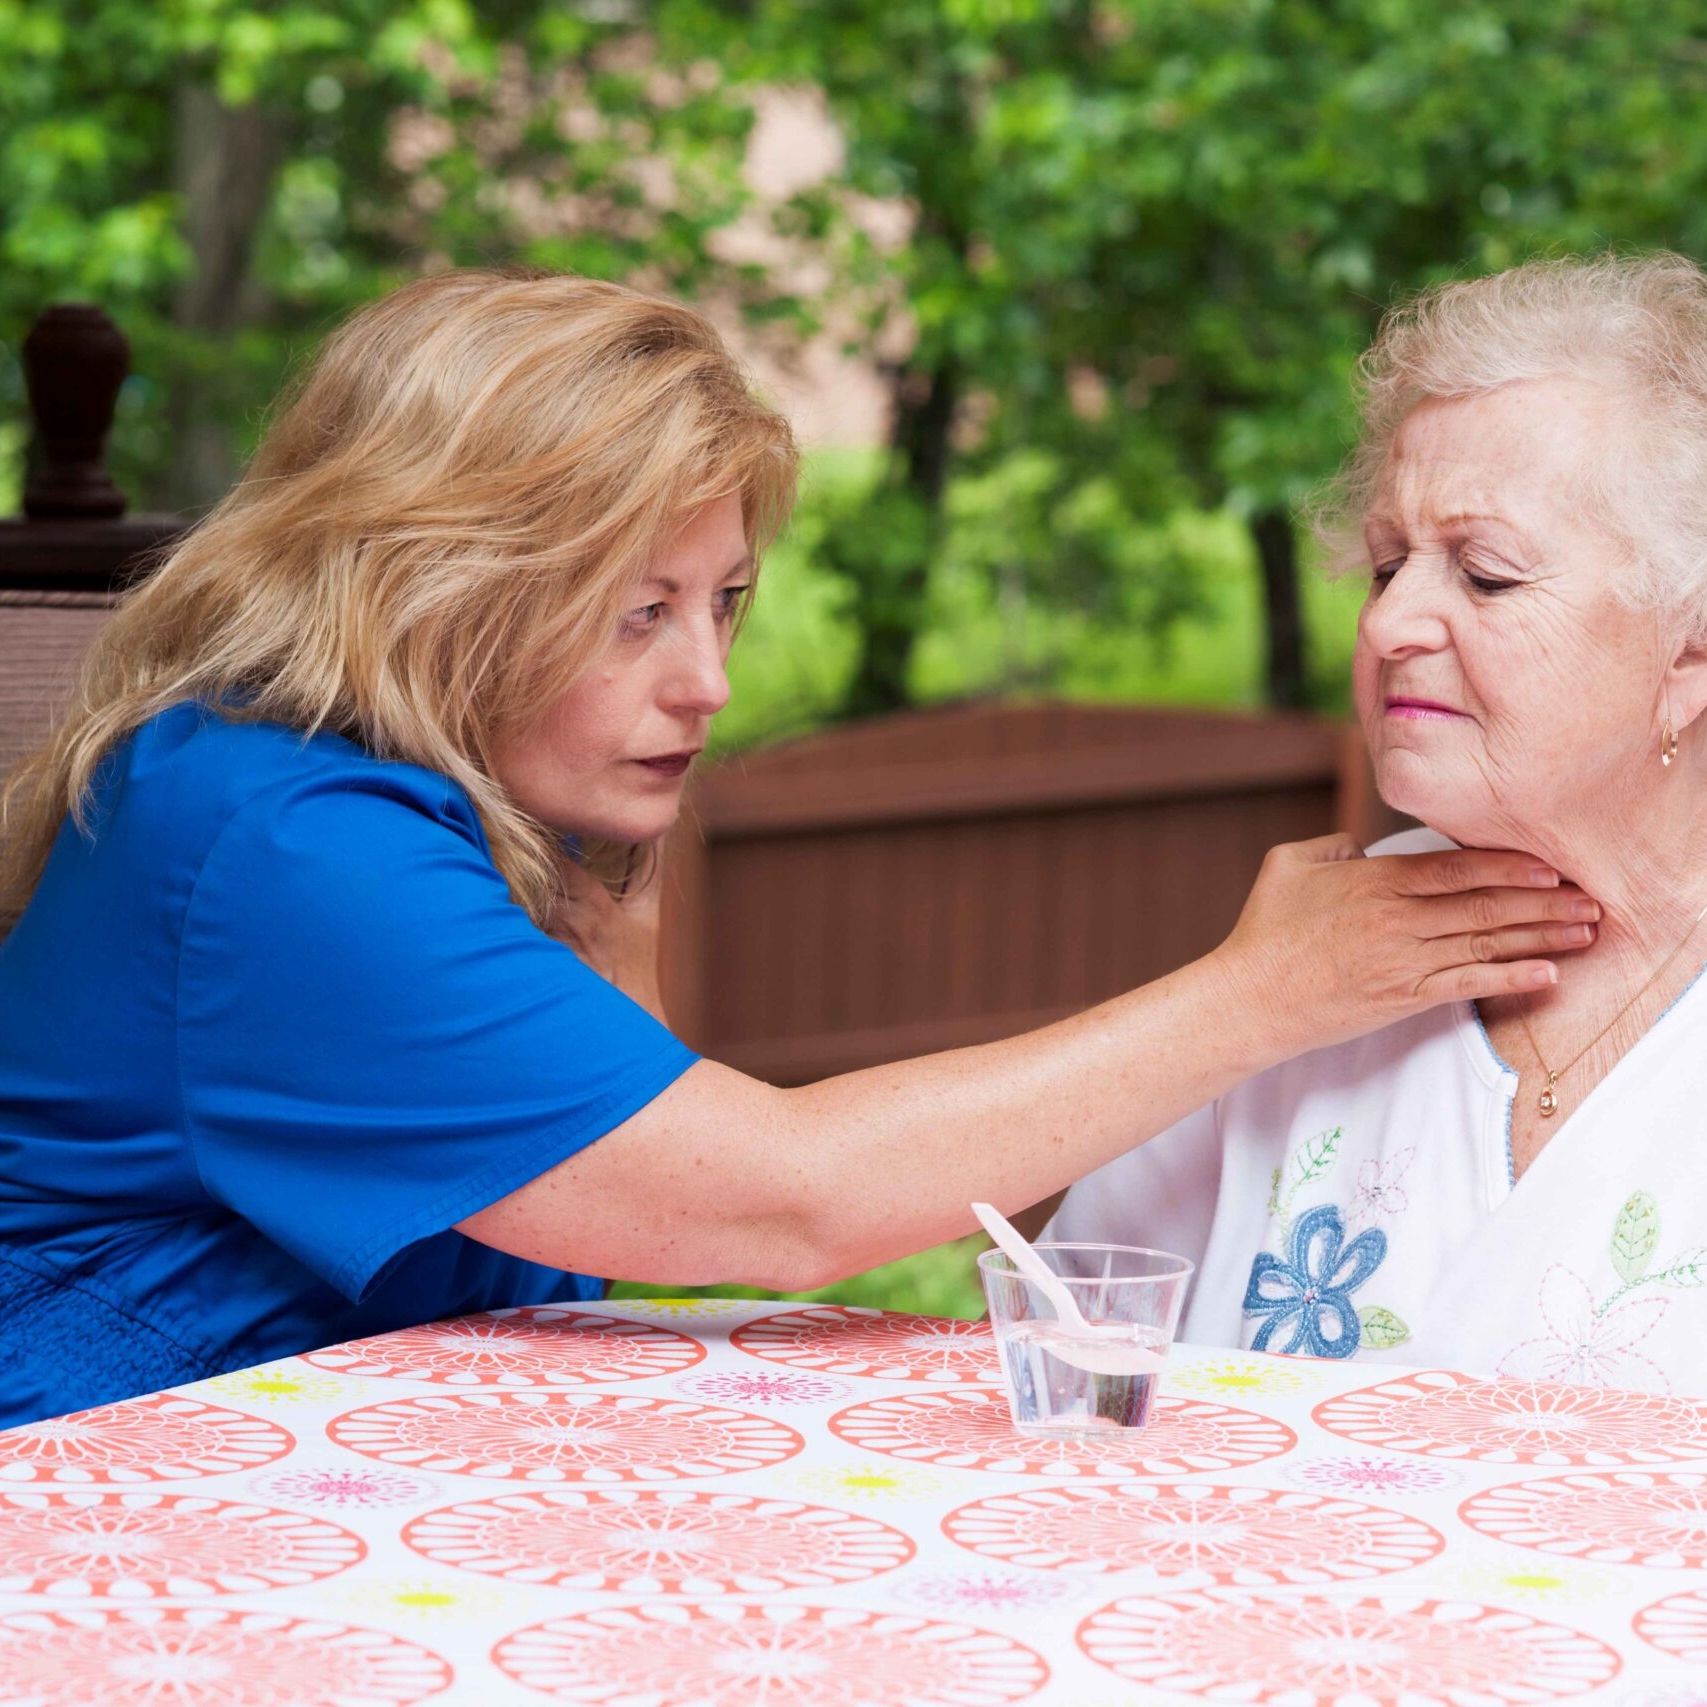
616 935
1331 944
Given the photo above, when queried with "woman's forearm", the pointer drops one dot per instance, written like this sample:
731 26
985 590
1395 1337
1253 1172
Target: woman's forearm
725 1179
895 1154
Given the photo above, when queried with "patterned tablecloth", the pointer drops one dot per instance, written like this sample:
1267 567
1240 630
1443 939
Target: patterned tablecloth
651 1505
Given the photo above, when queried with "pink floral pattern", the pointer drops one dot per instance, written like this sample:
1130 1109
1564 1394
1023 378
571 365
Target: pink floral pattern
1587 1344
340 1486
969 1428
1375 1478
632 1541
155 1545
1249 1537
1380 1193
1314 1652
723 1654
1439 1413
191 1657
747 1530
1622 1517
1677 1626
764 1387
990 1596
564 1437
839 1340
537 1345
161 1439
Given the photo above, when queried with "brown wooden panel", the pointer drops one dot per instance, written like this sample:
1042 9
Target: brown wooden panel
802 1060
844 787
684 928
43 638
842 946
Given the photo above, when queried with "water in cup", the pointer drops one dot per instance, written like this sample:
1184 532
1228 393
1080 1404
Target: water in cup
1091 1368
1061 1385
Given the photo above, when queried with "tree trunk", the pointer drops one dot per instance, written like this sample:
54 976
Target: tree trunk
227 158
1283 614
892 582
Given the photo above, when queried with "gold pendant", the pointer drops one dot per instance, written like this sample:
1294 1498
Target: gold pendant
1549 1102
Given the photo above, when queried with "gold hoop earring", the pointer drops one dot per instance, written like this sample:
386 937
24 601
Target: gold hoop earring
1668 743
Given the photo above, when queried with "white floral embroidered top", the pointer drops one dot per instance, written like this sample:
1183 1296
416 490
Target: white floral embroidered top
1359 1201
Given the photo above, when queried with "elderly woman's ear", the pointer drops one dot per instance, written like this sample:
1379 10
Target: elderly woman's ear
1684 693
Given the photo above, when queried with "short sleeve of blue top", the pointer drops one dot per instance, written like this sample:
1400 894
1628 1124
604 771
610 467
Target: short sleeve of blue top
266 1036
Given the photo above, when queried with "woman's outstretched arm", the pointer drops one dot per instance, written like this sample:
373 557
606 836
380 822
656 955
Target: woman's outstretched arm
724 1179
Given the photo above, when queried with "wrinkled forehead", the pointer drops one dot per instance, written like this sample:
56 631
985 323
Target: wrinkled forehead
1520 456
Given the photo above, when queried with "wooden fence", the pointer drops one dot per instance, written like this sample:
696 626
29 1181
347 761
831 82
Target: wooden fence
945 877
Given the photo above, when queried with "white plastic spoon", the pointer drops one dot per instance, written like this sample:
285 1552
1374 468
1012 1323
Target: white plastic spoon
1099 1348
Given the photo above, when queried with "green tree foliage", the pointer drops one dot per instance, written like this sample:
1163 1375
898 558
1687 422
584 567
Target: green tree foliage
1150 237
227 178
1141 241
981 120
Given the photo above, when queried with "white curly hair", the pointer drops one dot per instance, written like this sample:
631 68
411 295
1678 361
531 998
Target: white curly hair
1635 324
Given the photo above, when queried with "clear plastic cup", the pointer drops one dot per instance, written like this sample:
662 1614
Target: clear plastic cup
1075 1388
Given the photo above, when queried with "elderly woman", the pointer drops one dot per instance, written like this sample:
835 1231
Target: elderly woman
1514 1186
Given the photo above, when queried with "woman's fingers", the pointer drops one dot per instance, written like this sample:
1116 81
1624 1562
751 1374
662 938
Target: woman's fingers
1456 869
1478 982
1330 945
1515 942
1477 964
1485 910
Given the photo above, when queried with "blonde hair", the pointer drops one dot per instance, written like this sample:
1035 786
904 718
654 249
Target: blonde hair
441 527
1633 325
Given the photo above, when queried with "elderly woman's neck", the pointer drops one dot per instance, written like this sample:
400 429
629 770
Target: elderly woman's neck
1645 862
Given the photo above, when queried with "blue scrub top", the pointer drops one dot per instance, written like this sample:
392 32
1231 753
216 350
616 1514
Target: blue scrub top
266 1035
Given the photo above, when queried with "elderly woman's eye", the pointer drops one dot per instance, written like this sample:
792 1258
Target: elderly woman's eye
1382 573
1487 584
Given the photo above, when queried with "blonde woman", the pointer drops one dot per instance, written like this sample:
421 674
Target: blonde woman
293 1045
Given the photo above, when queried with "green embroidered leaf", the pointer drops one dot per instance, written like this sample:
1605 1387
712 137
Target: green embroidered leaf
1315 1156
1274 1193
1380 1328
1634 1235
1690 1269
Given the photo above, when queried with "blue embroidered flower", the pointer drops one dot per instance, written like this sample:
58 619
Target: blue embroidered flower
1310 1292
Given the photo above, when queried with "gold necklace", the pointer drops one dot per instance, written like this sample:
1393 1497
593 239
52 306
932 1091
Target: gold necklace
1549 1104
